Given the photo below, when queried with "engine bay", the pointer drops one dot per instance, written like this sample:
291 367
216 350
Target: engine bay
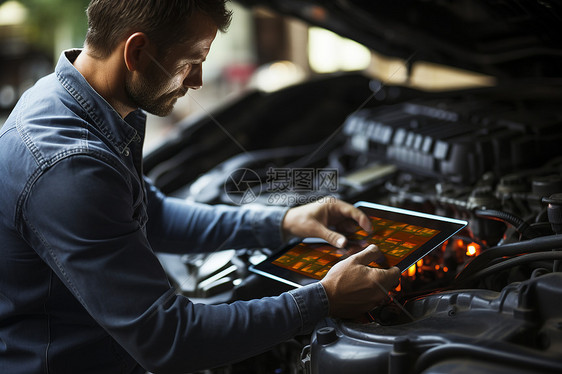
487 300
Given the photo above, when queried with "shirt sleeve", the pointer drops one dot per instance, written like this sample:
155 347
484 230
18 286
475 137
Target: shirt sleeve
80 218
179 226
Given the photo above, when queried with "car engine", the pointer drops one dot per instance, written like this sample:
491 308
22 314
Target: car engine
487 300
484 302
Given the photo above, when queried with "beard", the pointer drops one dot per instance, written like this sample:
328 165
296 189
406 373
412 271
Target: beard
152 95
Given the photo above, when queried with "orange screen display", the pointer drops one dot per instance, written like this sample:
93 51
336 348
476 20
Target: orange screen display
396 241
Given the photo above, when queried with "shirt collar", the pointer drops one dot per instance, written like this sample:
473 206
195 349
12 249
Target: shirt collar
118 131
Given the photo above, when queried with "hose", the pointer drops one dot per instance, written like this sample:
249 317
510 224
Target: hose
510 263
519 224
540 244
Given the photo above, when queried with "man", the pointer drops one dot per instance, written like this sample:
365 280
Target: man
81 290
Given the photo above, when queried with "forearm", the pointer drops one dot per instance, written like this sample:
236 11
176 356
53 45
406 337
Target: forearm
178 226
179 336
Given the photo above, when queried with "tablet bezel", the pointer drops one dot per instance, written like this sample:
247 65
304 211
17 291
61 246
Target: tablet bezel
447 228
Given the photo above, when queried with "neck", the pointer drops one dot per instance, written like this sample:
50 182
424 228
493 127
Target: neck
107 77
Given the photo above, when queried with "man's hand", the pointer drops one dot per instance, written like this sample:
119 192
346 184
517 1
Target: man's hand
354 288
315 220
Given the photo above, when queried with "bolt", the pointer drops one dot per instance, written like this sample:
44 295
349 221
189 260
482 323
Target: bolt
453 311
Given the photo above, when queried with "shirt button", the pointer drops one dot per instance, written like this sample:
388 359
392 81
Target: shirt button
126 152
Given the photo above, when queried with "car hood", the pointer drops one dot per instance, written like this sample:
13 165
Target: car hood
509 40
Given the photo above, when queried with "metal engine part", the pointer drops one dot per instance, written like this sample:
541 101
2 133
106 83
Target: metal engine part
517 330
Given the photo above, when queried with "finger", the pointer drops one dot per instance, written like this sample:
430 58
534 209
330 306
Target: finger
385 280
391 278
347 226
334 238
357 215
363 220
371 253
354 247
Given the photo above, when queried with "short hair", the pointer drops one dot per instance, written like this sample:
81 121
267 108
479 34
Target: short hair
110 21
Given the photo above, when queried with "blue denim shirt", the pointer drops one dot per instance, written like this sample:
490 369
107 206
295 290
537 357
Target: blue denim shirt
81 290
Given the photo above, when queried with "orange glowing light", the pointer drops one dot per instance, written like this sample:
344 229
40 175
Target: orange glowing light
419 263
445 269
472 249
412 271
460 243
436 267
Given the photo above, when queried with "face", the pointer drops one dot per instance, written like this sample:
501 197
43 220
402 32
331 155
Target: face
157 88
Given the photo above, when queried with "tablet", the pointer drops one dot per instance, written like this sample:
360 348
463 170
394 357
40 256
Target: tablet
403 236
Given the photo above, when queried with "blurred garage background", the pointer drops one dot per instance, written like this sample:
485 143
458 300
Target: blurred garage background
261 50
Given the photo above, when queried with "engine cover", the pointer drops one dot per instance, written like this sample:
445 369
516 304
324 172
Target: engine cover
456 142
517 330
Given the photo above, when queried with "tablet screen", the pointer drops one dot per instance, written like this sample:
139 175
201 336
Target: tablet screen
403 236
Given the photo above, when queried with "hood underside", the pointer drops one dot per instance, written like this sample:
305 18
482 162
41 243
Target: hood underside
508 39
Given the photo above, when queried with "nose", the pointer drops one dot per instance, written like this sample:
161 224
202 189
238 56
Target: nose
194 80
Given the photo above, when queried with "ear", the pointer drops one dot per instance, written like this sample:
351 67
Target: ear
133 53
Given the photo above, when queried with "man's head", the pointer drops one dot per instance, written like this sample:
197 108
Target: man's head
163 45
109 21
